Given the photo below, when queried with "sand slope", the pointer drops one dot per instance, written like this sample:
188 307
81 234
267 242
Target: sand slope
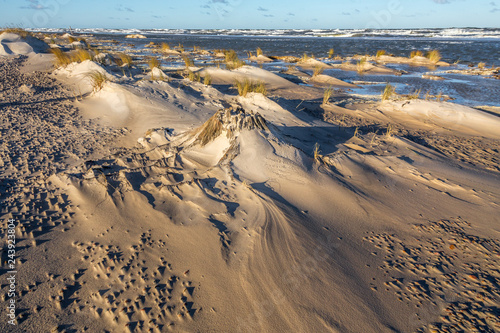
174 206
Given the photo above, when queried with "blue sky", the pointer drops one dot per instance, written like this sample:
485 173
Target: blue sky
250 14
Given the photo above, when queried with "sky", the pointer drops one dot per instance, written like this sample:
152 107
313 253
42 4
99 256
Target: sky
255 14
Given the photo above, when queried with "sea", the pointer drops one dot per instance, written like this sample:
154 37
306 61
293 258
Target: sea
462 47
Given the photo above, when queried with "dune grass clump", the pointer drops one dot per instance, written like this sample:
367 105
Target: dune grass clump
318 70
97 80
187 61
18 31
194 77
481 65
165 47
415 94
81 55
207 80
327 95
153 63
318 157
361 66
330 53
259 51
62 58
247 86
388 92
125 59
414 54
434 56
232 61
381 53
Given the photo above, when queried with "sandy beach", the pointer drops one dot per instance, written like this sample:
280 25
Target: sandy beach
217 195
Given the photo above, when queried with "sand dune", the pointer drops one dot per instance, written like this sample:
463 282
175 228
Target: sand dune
164 204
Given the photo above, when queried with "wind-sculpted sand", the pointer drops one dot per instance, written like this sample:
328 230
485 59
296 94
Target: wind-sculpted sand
161 203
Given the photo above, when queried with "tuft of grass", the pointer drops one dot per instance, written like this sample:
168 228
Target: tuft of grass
381 53
71 39
327 94
318 70
388 92
154 62
390 131
97 80
62 58
330 53
81 55
415 94
180 47
165 47
414 54
434 56
259 51
18 31
232 61
195 77
247 86
305 57
361 66
125 59
207 80
481 65
210 130
317 153
187 61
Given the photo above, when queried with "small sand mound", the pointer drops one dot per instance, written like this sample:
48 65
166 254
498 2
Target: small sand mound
13 44
229 120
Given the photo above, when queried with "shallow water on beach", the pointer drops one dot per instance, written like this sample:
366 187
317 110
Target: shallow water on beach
461 48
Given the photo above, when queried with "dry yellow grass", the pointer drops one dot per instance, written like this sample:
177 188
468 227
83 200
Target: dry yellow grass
414 54
18 31
187 61
318 70
361 66
195 77
125 59
330 53
327 95
380 53
62 58
388 92
259 51
232 61
207 80
81 55
434 56
153 62
247 86
97 80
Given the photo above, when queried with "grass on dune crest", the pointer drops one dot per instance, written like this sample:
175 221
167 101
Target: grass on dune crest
381 53
259 51
195 77
18 31
97 80
247 86
153 63
232 61
330 53
62 58
207 80
414 54
318 70
361 66
124 59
